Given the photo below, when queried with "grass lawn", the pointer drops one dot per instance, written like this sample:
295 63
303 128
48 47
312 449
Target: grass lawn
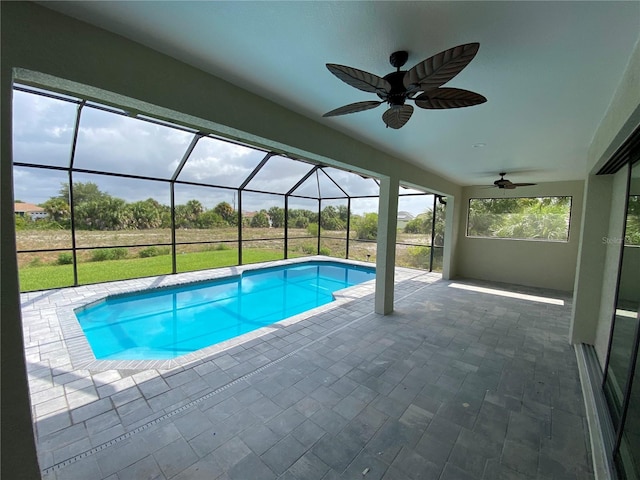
55 276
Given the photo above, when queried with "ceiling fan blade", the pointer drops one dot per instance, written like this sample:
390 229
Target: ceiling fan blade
509 186
440 68
523 184
360 79
397 116
352 108
448 98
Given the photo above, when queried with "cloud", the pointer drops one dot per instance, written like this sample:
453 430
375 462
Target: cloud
42 129
352 183
116 143
217 162
415 204
36 186
279 175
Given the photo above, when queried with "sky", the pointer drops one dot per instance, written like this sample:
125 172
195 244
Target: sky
43 130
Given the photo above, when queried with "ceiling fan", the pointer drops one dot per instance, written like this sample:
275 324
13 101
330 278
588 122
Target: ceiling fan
504 183
423 80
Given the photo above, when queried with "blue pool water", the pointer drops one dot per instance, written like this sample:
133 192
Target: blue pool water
166 323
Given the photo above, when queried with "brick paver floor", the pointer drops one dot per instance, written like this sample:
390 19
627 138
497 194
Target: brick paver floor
459 382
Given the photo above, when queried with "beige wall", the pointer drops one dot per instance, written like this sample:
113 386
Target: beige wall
596 274
524 262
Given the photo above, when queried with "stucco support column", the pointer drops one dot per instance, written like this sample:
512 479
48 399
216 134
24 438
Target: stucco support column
452 219
386 251
589 281
19 459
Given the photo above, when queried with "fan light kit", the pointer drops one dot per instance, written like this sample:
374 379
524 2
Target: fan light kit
421 84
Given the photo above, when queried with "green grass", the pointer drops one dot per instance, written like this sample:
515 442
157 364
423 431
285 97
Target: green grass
55 276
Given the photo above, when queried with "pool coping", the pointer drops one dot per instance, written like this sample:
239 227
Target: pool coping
81 353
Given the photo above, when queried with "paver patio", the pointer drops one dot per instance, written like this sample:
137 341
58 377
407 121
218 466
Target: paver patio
458 383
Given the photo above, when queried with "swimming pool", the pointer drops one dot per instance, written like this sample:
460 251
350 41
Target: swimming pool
170 322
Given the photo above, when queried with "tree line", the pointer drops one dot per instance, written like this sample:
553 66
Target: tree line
98 210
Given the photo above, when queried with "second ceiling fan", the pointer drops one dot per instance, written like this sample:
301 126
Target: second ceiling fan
421 84
508 184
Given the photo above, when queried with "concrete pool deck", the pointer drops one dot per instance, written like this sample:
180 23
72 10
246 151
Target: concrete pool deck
458 382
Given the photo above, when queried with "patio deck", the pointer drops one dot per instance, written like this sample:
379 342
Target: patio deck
458 383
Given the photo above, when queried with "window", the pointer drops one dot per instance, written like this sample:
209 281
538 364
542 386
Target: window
536 218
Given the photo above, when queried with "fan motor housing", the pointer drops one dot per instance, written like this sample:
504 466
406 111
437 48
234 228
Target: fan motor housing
398 93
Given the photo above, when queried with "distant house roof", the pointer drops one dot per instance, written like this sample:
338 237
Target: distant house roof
402 215
20 207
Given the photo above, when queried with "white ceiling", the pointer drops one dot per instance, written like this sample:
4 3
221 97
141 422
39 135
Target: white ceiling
548 69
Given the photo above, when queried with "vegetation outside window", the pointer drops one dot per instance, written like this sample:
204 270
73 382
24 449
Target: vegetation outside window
632 232
535 218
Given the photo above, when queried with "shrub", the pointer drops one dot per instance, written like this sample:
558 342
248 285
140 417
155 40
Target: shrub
22 223
332 223
301 222
222 246
100 255
65 258
367 227
312 229
119 253
325 251
419 257
309 249
35 262
260 220
149 252
46 224
103 254
153 251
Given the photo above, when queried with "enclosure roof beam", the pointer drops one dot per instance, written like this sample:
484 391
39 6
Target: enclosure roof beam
303 179
336 184
255 171
186 155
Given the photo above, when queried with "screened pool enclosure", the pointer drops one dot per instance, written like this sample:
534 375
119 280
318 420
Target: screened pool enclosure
106 194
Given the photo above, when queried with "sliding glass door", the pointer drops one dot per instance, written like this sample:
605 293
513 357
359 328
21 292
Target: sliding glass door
622 374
